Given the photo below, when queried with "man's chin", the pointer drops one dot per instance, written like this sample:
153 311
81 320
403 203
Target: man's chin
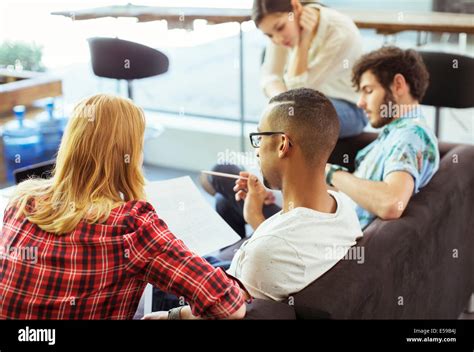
381 122
269 185
376 122
266 183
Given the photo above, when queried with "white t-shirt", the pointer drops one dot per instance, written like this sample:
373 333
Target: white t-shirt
289 251
332 54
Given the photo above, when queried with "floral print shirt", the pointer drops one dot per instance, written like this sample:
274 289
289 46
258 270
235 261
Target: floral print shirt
406 144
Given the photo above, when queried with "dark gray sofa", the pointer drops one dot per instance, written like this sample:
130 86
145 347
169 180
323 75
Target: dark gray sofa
420 266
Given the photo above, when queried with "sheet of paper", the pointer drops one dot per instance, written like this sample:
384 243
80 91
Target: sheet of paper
180 204
182 207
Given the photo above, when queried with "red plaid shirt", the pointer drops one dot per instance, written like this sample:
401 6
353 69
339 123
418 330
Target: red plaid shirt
99 271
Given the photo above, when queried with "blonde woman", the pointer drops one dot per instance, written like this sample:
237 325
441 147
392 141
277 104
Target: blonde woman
311 46
98 241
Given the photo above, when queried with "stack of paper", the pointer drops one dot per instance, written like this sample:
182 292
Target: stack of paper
180 204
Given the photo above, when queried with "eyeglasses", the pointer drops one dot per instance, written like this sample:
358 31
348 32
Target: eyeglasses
256 137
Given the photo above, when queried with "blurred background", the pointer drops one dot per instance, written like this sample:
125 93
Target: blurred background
198 99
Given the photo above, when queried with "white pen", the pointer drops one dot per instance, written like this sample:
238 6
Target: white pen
222 174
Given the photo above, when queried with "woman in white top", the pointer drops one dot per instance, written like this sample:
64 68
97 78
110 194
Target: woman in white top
311 46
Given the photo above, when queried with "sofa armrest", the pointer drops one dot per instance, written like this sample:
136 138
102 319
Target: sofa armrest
346 149
262 309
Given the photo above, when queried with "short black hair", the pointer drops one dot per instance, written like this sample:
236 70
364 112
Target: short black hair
310 119
386 62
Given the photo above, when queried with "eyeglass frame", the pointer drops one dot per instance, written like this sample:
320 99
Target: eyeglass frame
261 134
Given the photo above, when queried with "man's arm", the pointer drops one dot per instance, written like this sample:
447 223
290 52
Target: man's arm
386 199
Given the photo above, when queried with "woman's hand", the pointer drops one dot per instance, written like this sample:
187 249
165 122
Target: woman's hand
308 20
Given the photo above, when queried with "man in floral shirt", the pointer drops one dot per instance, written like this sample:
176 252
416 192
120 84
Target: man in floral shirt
405 155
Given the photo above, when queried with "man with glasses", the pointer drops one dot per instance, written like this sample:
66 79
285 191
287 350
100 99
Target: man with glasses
316 226
391 169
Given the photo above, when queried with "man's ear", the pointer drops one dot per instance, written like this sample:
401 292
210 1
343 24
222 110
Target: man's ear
399 85
297 7
284 146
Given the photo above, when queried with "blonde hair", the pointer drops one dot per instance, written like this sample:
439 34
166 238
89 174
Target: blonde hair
98 167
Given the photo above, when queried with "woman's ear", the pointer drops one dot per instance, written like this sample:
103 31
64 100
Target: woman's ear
297 7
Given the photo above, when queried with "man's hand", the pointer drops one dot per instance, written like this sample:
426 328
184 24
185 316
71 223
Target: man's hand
269 199
162 315
255 195
184 314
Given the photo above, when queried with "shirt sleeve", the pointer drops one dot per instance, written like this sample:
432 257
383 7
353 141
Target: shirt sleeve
337 53
155 255
411 154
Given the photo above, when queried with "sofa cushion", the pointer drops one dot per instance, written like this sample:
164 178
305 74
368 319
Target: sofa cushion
266 309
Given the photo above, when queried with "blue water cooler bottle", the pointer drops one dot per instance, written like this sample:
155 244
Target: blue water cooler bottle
21 142
51 129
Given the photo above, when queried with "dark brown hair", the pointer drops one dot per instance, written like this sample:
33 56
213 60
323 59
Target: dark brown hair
261 8
309 117
386 62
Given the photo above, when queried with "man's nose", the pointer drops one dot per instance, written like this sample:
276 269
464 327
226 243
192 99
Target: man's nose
361 103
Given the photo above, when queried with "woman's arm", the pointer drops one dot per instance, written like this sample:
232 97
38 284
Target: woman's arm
209 291
300 64
274 88
309 21
273 69
156 256
338 51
